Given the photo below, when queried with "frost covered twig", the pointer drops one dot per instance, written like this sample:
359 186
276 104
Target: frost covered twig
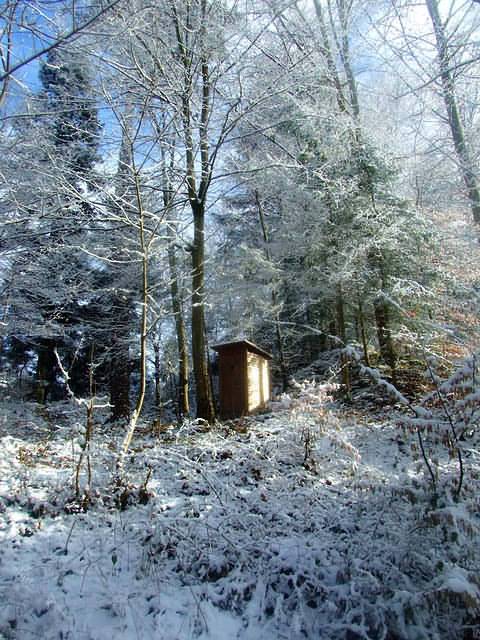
90 405
418 412
459 402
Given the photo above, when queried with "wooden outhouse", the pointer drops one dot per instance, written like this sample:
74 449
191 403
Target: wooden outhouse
244 378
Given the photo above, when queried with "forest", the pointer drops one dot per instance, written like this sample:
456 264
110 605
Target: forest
297 177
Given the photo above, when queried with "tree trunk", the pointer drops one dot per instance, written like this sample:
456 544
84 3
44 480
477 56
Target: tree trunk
456 127
175 292
278 328
157 374
382 315
344 49
143 327
327 52
46 369
342 334
121 312
204 396
194 58
183 401
385 342
363 333
120 361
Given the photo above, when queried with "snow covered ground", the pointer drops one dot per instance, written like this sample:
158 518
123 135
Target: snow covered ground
310 522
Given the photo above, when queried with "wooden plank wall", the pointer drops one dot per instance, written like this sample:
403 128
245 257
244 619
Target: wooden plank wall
233 389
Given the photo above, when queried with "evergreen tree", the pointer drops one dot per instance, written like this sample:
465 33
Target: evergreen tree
51 285
73 114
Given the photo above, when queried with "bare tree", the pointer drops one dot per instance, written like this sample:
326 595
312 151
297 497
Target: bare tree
198 74
465 161
21 15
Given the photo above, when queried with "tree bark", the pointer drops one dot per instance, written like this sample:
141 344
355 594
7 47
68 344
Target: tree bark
157 373
327 52
183 401
342 334
121 311
143 325
177 306
278 328
120 362
382 320
363 332
197 193
344 50
205 406
466 164
46 369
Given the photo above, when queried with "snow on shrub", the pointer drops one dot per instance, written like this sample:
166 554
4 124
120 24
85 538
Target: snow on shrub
246 535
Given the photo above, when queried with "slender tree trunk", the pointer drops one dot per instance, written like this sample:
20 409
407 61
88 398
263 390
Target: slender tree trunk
197 193
382 316
119 375
363 332
344 49
342 334
46 368
382 320
327 52
205 406
175 292
121 312
157 373
87 439
332 332
278 328
183 401
467 167
143 328
210 369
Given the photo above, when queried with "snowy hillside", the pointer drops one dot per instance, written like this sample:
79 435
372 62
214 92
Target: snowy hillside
309 522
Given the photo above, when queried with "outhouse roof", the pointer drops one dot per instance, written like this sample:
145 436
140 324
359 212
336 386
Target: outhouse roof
250 346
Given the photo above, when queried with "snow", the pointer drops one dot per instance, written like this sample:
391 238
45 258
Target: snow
314 521
457 580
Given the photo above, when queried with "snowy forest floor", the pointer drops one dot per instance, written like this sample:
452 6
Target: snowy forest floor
313 521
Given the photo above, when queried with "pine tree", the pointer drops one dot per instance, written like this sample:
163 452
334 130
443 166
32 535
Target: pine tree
74 118
51 284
